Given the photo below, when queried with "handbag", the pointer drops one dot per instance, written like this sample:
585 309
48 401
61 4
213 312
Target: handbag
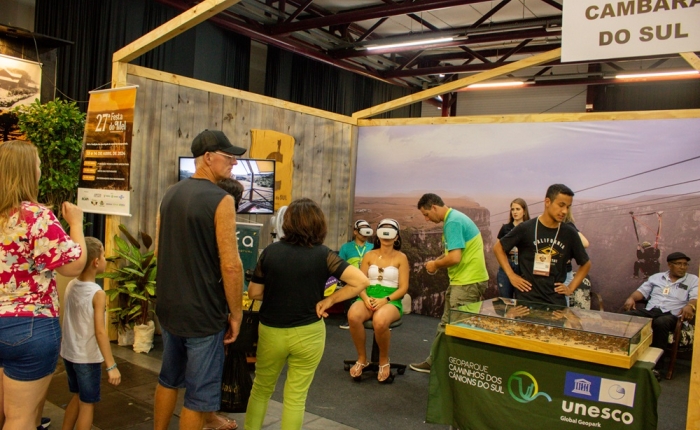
247 340
236 382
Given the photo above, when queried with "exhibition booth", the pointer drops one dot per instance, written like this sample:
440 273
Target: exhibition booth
330 153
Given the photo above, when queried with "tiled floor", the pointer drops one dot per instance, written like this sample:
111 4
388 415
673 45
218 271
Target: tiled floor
130 405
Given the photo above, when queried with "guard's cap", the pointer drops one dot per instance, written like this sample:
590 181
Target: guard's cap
677 256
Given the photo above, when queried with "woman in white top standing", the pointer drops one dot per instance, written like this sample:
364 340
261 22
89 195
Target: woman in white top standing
387 269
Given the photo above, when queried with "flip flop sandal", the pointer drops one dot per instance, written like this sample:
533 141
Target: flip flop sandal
227 425
389 379
358 367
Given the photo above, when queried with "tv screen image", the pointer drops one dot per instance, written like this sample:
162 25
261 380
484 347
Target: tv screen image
257 177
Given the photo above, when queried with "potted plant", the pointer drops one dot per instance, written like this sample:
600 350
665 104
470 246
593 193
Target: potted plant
133 271
56 129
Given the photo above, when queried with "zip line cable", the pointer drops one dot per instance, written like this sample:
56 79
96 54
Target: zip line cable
638 192
626 206
616 180
638 174
637 204
665 211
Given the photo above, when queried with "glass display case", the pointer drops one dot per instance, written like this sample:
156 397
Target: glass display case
599 337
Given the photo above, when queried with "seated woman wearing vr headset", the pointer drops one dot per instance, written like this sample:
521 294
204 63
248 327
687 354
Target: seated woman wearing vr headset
388 270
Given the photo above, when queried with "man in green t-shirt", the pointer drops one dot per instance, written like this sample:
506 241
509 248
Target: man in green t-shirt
463 259
353 251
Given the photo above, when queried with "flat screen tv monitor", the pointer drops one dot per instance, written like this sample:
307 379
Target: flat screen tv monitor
257 177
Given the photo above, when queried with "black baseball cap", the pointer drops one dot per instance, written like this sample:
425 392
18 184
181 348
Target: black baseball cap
212 141
677 256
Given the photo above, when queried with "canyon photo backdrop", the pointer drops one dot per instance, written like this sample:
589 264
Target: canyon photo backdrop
646 168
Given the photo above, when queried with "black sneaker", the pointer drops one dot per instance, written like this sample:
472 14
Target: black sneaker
45 423
345 326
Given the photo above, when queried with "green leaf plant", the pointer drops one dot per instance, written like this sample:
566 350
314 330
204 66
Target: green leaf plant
133 272
56 129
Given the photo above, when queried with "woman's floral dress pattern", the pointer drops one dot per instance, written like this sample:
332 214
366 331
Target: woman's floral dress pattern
32 245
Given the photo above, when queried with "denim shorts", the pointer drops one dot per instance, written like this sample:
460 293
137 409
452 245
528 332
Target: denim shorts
84 379
29 347
196 364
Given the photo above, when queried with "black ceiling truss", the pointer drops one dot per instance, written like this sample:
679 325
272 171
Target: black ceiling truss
341 37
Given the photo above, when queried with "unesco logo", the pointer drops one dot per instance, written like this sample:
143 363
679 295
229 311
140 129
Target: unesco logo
523 388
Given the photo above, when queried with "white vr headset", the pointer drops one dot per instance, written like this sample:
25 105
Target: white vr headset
363 227
387 229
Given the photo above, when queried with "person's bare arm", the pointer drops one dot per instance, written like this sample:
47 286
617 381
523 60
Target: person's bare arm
364 268
255 290
98 306
74 217
231 266
516 280
578 278
444 261
355 282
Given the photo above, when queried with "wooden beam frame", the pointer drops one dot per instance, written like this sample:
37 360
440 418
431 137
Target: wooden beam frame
543 117
181 23
184 81
460 83
692 59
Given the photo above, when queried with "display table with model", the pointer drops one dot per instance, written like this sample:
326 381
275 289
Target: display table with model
479 385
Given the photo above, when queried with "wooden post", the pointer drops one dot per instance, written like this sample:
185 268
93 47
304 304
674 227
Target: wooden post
692 421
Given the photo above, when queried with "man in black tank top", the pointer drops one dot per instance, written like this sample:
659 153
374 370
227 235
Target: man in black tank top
199 281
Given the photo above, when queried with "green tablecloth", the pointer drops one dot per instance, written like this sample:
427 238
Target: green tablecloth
478 386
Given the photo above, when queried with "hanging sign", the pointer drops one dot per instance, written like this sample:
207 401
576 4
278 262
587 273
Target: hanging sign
600 29
106 159
273 145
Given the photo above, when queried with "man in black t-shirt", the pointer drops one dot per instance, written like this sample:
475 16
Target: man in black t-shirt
545 244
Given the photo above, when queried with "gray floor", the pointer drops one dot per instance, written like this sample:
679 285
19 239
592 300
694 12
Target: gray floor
335 401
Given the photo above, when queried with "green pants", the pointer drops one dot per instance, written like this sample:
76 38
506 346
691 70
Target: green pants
301 348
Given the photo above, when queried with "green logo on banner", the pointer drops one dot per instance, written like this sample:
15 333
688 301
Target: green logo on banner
528 395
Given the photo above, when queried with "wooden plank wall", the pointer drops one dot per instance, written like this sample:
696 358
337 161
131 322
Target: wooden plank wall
168 116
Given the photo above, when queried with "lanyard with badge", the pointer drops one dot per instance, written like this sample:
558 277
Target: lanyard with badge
667 289
361 254
543 262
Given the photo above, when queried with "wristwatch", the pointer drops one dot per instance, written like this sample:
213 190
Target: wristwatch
388 298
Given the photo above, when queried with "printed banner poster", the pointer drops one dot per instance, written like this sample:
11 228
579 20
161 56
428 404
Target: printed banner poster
599 29
273 145
106 160
480 386
20 83
248 237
